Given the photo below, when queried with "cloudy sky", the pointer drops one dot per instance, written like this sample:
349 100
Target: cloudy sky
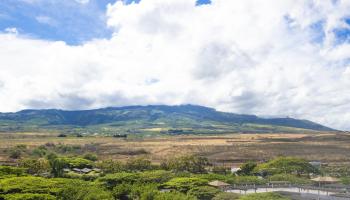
270 58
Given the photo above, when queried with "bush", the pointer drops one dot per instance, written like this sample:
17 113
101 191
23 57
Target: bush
111 180
28 196
91 157
157 176
289 178
79 190
41 151
226 196
122 191
203 192
220 170
173 196
345 180
36 166
27 185
110 166
212 177
247 168
138 164
249 180
191 164
144 191
184 184
287 165
15 153
7 170
263 196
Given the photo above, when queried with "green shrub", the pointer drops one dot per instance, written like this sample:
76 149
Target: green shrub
15 153
138 164
212 177
220 170
110 166
122 191
289 178
249 180
76 162
184 184
263 196
157 176
203 192
226 196
345 180
191 164
27 185
144 191
111 180
28 196
35 166
41 151
173 196
79 190
287 165
7 170
90 156
247 168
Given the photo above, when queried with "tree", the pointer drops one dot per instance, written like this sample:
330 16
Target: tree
247 168
287 165
138 164
57 166
122 191
110 166
15 153
191 164
36 166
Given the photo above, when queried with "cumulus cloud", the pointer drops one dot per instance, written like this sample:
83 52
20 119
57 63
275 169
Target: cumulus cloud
272 58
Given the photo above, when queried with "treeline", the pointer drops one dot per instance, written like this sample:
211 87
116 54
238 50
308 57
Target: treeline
186 177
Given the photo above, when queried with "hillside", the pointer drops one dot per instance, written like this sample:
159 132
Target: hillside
149 119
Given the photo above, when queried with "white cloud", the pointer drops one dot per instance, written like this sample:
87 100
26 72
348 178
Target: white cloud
83 1
11 30
271 58
46 20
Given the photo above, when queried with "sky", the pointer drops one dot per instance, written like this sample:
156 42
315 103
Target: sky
269 58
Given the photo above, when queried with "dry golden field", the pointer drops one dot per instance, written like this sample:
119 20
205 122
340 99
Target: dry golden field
222 149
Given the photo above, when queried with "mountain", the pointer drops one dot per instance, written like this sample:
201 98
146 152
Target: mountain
149 119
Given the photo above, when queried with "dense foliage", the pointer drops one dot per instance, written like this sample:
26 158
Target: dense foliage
56 177
287 165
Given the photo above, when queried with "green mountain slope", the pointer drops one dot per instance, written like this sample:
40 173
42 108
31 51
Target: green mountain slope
149 119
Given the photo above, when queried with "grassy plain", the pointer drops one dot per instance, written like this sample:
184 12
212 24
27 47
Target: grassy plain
225 149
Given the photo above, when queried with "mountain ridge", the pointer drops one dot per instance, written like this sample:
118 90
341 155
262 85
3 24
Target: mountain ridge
150 116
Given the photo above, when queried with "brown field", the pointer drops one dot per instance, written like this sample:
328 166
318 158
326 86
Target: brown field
221 149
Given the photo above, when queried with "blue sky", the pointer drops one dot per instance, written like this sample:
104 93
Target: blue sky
284 58
65 20
74 22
